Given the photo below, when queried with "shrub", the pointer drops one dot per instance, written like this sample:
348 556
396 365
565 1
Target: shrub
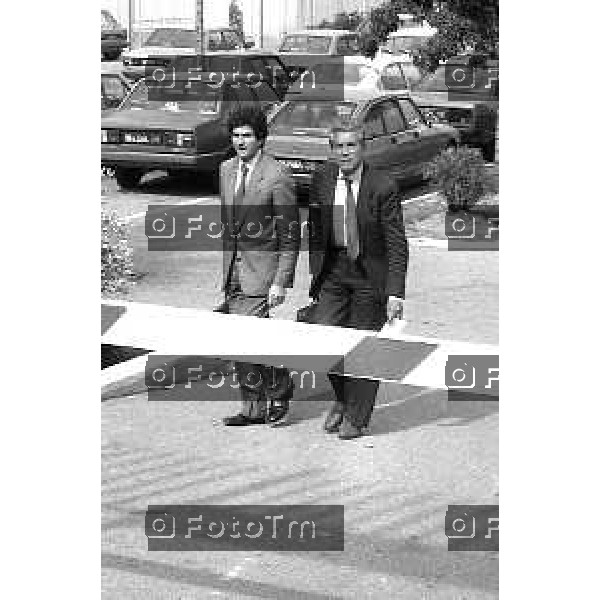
116 255
461 175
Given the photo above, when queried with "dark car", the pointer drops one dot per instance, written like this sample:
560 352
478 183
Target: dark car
113 37
247 63
471 105
178 129
114 86
399 140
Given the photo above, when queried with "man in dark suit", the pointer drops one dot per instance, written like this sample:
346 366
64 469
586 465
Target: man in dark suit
358 261
256 189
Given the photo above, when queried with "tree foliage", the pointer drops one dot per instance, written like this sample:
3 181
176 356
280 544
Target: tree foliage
461 25
343 20
236 17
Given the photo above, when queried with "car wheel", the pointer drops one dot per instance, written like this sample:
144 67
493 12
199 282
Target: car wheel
128 178
488 151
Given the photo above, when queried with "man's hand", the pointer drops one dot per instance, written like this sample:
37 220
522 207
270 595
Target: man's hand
395 308
220 302
276 296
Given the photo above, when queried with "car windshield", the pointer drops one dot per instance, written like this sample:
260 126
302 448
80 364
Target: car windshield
436 82
309 44
172 38
109 23
198 99
338 72
308 114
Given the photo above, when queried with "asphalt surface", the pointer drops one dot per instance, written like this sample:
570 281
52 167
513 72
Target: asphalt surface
421 455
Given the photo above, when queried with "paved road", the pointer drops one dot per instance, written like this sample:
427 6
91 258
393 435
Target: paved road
422 453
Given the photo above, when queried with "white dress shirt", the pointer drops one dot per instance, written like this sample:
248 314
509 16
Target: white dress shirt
250 164
340 192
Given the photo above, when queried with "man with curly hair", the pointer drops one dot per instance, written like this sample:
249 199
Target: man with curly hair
257 271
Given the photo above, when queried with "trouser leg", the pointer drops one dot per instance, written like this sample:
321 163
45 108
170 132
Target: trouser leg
258 383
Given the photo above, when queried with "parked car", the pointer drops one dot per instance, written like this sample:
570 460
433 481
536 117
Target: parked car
472 109
114 86
113 37
301 49
165 44
340 71
258 62
399 140
175 129
410 71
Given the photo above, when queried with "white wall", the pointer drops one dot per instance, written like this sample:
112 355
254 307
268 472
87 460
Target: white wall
216 12
289 15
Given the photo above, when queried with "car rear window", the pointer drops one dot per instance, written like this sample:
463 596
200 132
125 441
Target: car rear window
309 44
172 38
312 115
199 99
484 80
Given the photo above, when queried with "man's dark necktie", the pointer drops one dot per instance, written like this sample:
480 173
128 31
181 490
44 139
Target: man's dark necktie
351 226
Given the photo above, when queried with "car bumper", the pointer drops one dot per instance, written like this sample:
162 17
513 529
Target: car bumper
112 157
134 71
113 45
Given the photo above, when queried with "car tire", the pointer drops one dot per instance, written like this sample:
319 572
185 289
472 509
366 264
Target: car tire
488 151
128 179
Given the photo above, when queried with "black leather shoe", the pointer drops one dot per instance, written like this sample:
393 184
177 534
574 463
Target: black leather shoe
349 431
278 410
334 419
241 420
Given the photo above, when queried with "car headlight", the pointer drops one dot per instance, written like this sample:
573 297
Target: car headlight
104 136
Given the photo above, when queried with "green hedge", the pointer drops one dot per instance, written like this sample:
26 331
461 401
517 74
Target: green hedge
461 175
117 255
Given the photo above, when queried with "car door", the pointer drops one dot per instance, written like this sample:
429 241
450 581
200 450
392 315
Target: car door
404 147
430 141
378 145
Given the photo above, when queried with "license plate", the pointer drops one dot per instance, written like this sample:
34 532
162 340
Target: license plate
301 166
133 138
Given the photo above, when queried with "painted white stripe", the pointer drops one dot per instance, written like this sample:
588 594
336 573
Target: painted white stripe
120 371
428 243
429 197
186 202
179 331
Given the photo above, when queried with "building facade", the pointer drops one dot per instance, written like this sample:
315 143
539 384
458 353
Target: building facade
278 16
282 16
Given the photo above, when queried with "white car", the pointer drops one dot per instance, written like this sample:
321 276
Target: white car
335 74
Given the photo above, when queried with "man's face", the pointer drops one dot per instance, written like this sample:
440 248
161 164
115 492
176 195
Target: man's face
347 150
245 142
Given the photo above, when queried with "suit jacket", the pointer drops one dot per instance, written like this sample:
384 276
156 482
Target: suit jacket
383 249
269 193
